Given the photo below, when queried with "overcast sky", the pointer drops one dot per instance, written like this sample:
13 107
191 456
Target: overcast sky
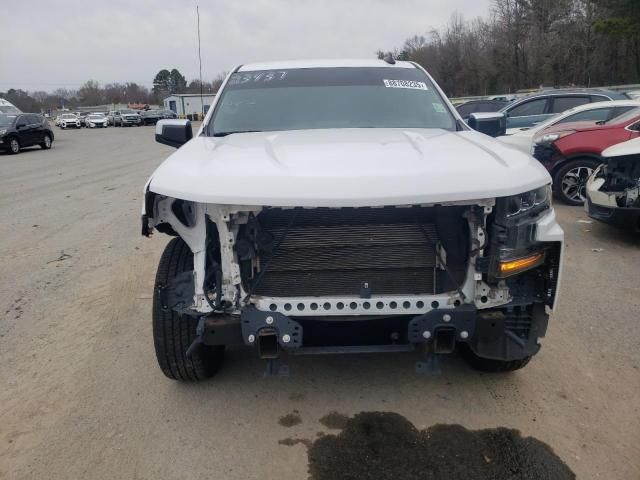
49 44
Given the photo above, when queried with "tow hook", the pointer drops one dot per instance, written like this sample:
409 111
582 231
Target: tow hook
443 327
439 330
268 347
271 331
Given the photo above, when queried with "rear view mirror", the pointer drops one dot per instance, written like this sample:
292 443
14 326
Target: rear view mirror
493 124
174 133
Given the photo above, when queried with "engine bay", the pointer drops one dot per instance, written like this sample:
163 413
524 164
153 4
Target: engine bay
621 177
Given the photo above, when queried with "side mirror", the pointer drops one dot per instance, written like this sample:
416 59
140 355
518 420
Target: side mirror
174 133
493 124
21 125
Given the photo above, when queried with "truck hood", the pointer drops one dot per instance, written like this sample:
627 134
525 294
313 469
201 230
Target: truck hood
346 168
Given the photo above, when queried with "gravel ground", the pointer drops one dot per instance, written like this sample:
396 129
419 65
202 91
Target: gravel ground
82 397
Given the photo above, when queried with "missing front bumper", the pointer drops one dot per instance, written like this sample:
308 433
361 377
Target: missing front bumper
623 217
503 334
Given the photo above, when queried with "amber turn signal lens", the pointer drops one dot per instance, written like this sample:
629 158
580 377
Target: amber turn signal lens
511 267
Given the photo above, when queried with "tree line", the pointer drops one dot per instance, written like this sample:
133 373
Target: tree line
526 44
91 93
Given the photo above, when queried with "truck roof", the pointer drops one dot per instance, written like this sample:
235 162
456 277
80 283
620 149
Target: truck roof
328 63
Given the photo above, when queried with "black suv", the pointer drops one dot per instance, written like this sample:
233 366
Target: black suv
24 130
151 117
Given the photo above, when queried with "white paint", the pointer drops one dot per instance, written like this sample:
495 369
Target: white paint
596 196
190 103
168 121
630 147
346 168
548 230
322 63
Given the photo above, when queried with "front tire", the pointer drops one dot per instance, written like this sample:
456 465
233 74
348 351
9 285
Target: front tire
172 333
14 145
570 181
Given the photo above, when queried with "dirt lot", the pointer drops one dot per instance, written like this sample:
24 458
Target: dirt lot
81 396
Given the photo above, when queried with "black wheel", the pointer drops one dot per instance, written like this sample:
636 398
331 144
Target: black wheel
46 142
492 366
172 333
569 182
14 145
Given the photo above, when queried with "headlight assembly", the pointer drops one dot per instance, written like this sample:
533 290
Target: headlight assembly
549 138
514 248
528 203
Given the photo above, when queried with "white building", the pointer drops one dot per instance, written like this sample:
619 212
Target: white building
189 103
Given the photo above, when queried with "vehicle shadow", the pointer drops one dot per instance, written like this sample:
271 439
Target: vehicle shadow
23 151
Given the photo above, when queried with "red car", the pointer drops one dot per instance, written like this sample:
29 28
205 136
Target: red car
572 151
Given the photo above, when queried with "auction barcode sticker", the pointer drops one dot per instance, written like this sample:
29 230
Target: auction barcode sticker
405 84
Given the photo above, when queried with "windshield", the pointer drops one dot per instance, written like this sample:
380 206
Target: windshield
317 98
69 116
122 112
96 115
7 120
627 117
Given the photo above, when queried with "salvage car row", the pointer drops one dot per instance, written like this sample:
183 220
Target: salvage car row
20 130
118 118
571 145
587 139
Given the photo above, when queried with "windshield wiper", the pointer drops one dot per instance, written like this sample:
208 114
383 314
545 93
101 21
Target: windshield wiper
224 134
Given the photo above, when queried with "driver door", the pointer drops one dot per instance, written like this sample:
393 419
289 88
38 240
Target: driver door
25 131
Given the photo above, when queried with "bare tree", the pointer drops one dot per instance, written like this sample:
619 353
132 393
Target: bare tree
525 44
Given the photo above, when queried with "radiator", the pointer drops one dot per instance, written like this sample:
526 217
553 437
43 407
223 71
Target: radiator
340 251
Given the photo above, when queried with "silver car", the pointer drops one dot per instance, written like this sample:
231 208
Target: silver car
96 120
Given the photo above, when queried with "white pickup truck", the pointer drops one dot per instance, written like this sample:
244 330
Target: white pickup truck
343 206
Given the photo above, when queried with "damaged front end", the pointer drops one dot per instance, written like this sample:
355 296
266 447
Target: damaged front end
368 279
613 192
